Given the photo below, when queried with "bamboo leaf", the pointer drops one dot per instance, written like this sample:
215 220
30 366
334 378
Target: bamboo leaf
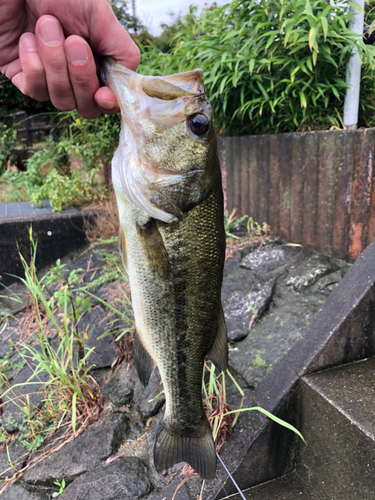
324 22
356 6
303 99
312 38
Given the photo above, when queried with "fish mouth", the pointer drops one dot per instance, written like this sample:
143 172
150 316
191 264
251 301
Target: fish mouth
167 88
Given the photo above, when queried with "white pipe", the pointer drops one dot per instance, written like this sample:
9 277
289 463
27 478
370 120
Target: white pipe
353 72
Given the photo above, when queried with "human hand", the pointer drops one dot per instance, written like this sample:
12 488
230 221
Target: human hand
47 49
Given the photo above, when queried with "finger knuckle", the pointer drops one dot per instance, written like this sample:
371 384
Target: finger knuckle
82 81
134 56
63 105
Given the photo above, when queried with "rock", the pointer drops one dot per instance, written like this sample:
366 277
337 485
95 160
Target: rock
13 299
101 440
94 323
20 492
303 275
125 478
244 294
26 389
91 326
328 283
17 457
120 389
168 492
125 387
269 257
147 399
9 335
271 338
68 264
92 264
232 263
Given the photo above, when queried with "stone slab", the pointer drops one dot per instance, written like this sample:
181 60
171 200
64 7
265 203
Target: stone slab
101 440
20 492
125 478
341 332
337 408
288 487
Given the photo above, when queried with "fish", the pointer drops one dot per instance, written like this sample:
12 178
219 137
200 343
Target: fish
167 180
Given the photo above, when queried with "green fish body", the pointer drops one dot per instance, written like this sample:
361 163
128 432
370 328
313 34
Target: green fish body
167 181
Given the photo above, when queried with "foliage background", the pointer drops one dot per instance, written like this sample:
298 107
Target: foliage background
271 65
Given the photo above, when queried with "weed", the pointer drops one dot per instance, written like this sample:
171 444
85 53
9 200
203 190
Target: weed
61 485
237 224
71 397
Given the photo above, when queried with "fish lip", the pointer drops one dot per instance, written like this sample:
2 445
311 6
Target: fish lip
106 64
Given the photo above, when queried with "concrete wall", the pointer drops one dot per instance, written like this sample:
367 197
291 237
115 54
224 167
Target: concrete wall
313 188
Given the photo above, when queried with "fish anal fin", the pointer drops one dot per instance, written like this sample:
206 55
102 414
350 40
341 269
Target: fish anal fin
152 242
172 447
144 364
218 353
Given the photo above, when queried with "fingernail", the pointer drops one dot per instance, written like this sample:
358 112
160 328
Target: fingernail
107 104
77 53
51 32
27 42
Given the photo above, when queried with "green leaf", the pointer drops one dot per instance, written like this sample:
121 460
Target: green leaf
74 411
309 9
324 22
356 6
271 417
263 90
251 66
303 99
314 57
312 39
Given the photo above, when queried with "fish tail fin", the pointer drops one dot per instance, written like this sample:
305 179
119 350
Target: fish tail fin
172 447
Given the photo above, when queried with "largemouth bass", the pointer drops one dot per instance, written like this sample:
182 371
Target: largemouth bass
167 180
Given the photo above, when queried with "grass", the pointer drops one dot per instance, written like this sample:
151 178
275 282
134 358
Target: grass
11 192
71 397
237 225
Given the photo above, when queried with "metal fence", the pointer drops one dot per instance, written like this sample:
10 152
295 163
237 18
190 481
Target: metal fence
312 188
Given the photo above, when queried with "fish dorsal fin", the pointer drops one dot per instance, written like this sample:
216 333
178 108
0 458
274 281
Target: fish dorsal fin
219 351
144 364
161 89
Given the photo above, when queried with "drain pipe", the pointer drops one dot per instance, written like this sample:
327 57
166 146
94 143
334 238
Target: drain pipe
353 72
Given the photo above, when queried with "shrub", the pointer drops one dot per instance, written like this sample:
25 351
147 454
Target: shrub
270 65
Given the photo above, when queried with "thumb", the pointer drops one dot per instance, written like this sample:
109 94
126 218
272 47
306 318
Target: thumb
108 37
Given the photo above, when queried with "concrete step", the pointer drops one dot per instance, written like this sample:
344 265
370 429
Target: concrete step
338 423
288 487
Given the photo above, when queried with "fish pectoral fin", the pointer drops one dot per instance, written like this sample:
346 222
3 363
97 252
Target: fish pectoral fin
151 240
123 252
218 353
172 447
144 363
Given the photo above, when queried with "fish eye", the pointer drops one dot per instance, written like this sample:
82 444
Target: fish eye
198 124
